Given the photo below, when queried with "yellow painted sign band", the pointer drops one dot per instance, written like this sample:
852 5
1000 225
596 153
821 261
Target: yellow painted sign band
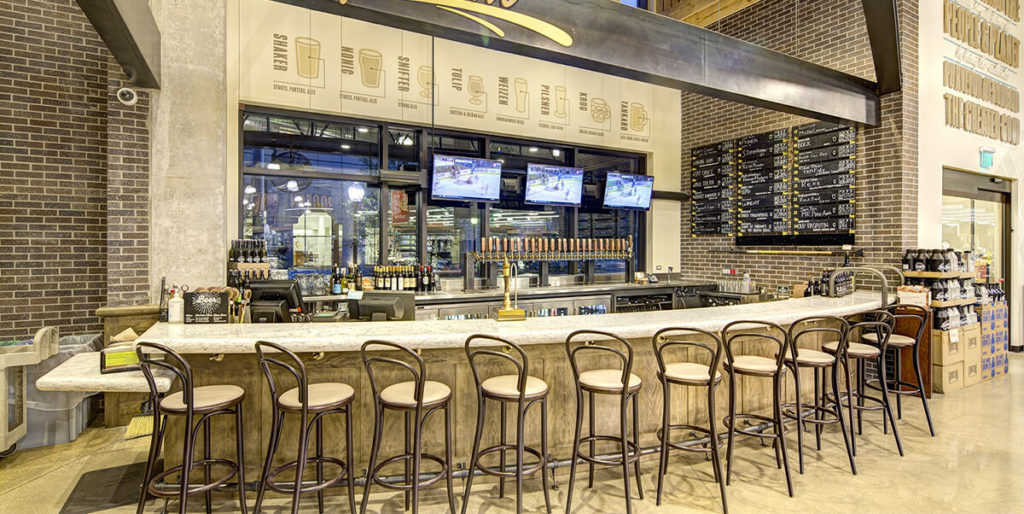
488 25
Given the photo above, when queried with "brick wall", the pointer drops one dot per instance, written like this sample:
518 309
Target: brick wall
127 194
831 34
54 107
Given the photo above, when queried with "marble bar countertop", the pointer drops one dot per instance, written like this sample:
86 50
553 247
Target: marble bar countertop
82 373
347 337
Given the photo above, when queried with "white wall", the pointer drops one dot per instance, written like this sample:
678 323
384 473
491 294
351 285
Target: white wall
940 146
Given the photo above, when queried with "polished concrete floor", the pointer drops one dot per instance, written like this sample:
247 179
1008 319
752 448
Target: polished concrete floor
974 464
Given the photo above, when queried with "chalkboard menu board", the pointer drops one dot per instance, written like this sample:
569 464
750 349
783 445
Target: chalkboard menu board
763 184
712 188
824 181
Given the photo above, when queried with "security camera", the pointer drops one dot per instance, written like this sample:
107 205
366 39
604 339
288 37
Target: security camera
127 96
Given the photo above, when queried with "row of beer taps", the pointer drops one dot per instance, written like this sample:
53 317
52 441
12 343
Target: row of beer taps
498 249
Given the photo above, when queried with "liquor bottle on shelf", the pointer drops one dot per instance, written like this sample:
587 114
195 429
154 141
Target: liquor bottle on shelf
335 281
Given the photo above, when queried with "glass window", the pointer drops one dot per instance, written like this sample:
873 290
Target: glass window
401 210
547 221
978 226
293 144
311 224
403 150
451 232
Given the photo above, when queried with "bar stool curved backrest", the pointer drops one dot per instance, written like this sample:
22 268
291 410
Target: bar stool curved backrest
474 352
810 326
176 364
585 341
418 371
912 313
734 332
880 322
673 339
295 367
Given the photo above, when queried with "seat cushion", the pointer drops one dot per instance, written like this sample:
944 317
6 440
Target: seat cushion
507 386
856 349
610 379
689 372
320 395
754 364
894 340
402 394
204 398
811 357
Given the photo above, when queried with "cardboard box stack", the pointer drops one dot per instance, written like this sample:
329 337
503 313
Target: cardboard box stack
956 358
995 340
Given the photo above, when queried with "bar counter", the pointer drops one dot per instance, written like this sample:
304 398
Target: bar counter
224 354
437 334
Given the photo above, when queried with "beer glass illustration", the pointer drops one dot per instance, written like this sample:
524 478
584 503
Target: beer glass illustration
600 112
521 94
307 52
425 76
476 89
638 117
560 102
371 63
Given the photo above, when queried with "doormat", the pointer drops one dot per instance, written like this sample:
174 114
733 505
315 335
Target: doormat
107 489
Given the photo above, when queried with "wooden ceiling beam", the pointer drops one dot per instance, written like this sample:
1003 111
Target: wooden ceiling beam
703 13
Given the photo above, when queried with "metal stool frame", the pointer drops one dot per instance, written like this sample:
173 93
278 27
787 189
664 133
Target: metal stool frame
630 449
821 407
177 365
415 454
297 369
882 323
730 334
522 403
668 339
918 315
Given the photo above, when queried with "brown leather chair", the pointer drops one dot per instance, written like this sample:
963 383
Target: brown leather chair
676 371
619 382
205 402
520 390
311 402
416 399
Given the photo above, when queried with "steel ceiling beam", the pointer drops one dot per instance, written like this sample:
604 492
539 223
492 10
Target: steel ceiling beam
131 34
884 33
613 38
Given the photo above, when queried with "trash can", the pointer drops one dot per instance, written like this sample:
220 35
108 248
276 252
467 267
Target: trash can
57 417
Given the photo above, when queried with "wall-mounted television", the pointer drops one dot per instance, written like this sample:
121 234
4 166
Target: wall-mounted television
553 185
625 191
466 178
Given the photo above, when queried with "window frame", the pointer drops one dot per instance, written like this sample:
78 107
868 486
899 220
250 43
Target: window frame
418 185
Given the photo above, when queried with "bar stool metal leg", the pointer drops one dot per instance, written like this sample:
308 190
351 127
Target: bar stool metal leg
240 442
378 432
448 456
920 389
544 451
636 438
593 451
715 447
623 430
732 427
850 450
481 413
780 430
575 448
886 403
206 468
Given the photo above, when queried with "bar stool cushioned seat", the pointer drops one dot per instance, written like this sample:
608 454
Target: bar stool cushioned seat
507 386
692 372
895 340
608 379
206 398
403 394
754 364
811 357
854 350
321 396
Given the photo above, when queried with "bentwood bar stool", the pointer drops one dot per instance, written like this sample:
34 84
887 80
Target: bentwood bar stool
917 316
879 323
311 402
676 371
206 402
416 399
751 332
520 390
818 362
619 382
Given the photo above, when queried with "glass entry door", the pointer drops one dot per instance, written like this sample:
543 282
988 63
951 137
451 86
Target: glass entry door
979 226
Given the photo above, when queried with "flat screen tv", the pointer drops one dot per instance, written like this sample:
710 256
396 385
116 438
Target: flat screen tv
625 191
553 185
466 178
